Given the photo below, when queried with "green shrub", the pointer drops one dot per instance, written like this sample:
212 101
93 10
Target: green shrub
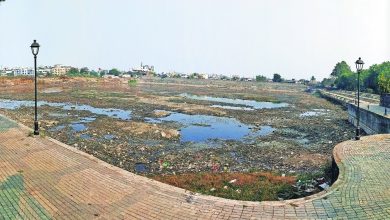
132 82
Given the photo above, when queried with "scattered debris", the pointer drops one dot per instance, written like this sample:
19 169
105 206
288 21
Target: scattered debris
233 181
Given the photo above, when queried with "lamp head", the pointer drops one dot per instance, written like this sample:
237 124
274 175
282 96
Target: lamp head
359 64
35 48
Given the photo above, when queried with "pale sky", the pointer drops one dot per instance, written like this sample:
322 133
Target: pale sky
296 38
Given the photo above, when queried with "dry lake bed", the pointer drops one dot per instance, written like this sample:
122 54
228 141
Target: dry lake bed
179 130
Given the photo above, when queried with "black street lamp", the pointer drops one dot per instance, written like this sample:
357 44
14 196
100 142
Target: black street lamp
359 66
35 49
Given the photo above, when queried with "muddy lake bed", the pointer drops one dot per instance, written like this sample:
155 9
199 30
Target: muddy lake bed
165 126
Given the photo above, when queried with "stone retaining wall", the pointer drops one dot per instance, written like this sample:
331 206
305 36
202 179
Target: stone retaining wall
334 100
370 122
385 100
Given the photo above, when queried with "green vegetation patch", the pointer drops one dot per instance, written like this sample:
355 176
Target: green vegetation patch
375 79
6 124
256 186
11 192
132 82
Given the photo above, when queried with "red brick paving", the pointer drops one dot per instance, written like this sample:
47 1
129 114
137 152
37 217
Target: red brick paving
41 178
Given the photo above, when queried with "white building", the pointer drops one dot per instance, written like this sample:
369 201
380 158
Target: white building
44 70
203 76
23 72
144 70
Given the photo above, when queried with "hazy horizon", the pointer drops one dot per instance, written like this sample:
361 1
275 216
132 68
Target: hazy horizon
296 39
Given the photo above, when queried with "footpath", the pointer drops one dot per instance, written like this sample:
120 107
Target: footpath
41 178
368 104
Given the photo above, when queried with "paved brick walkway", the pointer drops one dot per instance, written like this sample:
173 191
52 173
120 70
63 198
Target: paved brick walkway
41 178
368 104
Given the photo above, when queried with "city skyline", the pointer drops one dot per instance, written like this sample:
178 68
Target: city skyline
296 40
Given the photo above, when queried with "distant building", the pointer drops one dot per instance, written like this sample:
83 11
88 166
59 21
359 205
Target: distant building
235 77
293 81
197 76
60 70
184 76
246 79
162 75
303 81
23 72
225 77
144 70
110 77
174 75
203 76
215 76
5 71
44 70
127 75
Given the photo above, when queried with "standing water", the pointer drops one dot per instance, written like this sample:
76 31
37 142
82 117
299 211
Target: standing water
248 103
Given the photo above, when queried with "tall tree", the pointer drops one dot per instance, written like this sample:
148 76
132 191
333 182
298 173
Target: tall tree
73 72
277 78
346 81
261 78
94 73
340 68
328 82
384 78
373 80
84 70
114 72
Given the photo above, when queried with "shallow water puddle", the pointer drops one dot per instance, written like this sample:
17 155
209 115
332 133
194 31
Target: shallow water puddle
110 112
195 128
314 112
109 136
141 168
248 103
201 128
232 107
76 126
58 115
86 136
57 128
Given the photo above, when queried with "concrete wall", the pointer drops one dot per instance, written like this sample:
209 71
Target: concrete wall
385 100
333 99
370 122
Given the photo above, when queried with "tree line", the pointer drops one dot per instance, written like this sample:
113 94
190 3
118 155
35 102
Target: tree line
276 78
85 72
375 79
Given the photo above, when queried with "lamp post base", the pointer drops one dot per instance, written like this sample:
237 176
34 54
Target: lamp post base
36 128
357 137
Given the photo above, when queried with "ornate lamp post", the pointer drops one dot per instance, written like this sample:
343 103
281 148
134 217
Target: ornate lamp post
359 66
35 49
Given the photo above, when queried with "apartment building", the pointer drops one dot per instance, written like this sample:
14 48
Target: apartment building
60 70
